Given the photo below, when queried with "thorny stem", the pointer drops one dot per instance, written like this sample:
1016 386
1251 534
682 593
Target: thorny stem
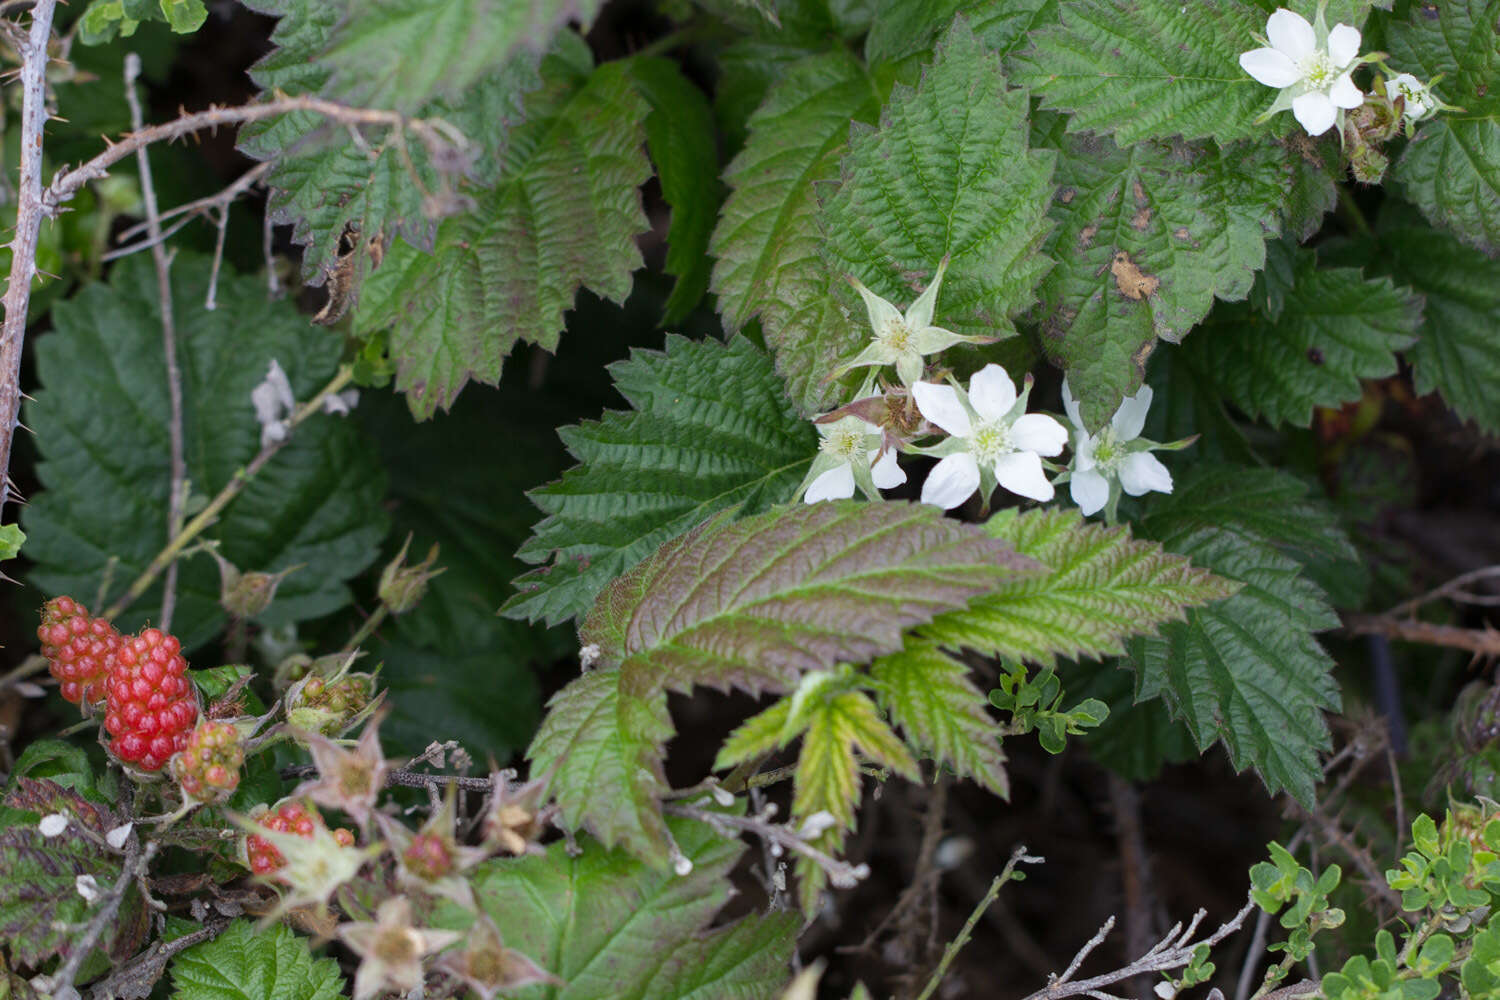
35 203
405 778
163 264
30 208
232 489
1006 874
1479 641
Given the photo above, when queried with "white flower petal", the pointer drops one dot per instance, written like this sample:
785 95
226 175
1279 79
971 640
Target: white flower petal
991 392
1343 45
1315 111
1083 450
1344 94
1290 34
1021 472
951 481
1131 416
1142 472
116 838
52 824
1090 491
1270 67
884 470
835 484
940 405
1070 405
1039 433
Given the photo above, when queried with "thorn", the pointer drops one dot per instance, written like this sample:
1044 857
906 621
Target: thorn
48 274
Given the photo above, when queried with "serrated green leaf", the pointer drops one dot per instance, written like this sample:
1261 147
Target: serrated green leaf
563 215
1334 328
1138 737
101 423
687 451
1150 69
595 737
680 139
904 28
104 19
1247 671
929 695
584 919
381 54
1148 236
328 185
252 962
757 603
1458 354
766 243
1101 587
39 900
1451 168
947 174
757 735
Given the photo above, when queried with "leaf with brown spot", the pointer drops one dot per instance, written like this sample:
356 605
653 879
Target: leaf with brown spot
1132 282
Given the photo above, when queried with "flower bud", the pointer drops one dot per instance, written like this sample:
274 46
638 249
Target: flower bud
402 587
246 595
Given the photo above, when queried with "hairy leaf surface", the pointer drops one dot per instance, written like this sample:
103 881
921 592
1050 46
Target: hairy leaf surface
248 962
929 695
1148 236
1451 168
1334 328
563 215
595 737
904 28
1458 354
756 603
1101 587
101 418
1247 671
766 243
607 925
330 186
947 174
1150 69
686 451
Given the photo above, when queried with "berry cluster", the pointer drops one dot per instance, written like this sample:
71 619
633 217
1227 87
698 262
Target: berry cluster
291 816
151 705
208 768
79 650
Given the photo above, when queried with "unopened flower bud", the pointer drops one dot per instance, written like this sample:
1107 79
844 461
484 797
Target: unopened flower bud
246 595
402 587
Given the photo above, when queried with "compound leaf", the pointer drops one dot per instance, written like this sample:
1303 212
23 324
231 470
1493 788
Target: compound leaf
1451 168
586 919
1247 671
1148 236
101 421
595 737
929 695
1334 328
1143 69
766 243
564 214
249 962
947 174
686 451
1101 587
758 602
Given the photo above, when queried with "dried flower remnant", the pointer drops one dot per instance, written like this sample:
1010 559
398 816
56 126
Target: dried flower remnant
431 859
350 780
516 817
391 950
488 967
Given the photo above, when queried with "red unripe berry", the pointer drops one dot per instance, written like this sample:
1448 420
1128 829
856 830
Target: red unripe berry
208 768
151 705
79 650
293 817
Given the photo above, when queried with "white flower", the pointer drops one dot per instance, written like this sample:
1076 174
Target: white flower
904 340
1417 99
992 439
52 825
850 453
1113 456
1311 67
